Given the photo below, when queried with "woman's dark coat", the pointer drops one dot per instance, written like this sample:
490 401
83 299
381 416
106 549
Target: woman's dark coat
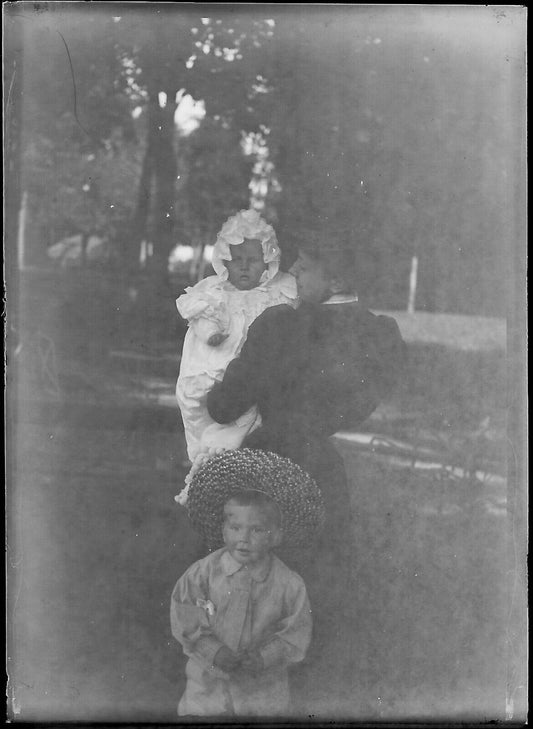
312 372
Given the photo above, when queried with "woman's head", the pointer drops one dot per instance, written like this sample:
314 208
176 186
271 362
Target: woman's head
325 263
321 272
246 251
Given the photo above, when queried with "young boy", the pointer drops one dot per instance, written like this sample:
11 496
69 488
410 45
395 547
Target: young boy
241 615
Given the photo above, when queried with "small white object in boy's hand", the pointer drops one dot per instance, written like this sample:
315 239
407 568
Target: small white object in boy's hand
207 605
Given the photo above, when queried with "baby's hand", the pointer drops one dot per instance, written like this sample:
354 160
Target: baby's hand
226 660
252 662
199 461
216 339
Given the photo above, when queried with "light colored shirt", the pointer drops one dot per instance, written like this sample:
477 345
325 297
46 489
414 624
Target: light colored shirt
219 602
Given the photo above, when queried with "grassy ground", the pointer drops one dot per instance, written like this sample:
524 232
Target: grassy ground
431 592
97 543
464 333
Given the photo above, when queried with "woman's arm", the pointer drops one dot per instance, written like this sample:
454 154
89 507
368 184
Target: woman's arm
360 373
248 375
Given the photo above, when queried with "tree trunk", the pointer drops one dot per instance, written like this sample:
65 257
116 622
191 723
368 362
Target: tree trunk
165 169
154 221
131 250
316 162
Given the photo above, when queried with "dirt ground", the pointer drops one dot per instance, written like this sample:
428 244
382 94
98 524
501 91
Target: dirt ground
97 544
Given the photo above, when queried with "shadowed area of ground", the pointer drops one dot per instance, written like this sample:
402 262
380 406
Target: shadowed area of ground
100 543
96 541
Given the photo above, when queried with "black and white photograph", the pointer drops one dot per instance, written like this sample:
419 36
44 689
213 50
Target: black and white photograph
265 328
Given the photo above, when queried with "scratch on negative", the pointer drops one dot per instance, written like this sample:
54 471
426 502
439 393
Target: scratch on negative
74 90
11 85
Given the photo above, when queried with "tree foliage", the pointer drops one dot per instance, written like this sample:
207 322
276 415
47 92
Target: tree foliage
80 142
396 126
216 181
384 127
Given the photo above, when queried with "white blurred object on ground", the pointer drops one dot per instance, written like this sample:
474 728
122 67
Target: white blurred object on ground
68 251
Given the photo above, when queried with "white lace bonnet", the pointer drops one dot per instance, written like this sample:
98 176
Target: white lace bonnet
246 224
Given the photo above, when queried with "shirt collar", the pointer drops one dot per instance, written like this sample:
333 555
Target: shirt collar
258 573
261 286
341 299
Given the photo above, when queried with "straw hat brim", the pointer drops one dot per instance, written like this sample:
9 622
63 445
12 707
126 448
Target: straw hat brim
296 494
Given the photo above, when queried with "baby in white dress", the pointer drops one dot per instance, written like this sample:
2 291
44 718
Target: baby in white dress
219 310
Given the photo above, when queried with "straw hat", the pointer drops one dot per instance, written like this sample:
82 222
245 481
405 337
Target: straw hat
296 494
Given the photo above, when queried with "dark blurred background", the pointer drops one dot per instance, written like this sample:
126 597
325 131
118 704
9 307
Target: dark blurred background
132 131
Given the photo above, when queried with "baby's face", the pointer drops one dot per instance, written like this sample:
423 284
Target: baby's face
249 532
246 265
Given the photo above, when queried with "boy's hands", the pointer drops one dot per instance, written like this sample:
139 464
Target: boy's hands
249 662
226 660
216 339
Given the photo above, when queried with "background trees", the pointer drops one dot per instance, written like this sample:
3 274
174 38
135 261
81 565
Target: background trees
398 124
398 128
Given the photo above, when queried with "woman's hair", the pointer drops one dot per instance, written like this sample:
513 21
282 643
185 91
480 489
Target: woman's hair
333 247
338 262
259 500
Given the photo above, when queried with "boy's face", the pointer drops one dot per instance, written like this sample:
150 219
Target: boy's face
246 265
314 284
249 532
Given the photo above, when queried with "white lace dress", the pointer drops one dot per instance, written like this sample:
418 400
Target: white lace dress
214 306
